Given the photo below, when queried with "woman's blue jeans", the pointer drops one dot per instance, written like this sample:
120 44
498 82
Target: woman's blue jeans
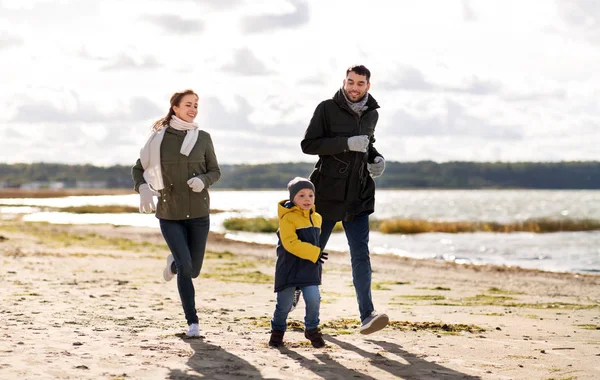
357 234
285 298
187 241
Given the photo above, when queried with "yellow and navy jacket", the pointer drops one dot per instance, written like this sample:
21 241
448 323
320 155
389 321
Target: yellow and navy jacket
298 247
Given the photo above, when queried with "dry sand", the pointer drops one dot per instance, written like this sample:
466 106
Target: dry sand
81 302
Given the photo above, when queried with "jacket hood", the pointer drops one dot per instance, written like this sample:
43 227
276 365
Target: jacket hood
286 206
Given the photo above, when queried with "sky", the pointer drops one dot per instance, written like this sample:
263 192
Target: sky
81 82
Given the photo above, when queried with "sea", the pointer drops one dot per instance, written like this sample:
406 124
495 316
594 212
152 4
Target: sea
577 252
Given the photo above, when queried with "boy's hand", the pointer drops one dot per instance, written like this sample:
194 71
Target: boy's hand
322 257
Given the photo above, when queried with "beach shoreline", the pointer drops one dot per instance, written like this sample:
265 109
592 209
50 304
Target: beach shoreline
89 302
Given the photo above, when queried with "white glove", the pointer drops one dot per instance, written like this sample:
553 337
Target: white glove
377 167
358 143
147 204
195 184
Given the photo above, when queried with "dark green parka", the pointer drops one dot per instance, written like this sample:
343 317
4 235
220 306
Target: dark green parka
177 201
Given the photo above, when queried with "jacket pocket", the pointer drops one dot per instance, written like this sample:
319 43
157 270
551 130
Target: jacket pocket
331 179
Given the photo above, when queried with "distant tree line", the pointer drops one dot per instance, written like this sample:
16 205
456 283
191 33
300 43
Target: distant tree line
421 174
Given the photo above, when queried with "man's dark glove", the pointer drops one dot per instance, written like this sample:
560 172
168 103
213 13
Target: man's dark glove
322 257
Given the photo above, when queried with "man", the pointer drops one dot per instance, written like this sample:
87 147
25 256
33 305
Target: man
341 132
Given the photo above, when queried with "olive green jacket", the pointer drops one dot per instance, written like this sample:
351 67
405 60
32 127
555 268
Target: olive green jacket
177 201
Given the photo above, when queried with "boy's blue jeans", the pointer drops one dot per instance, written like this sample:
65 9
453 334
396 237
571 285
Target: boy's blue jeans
357 233
285 298
187 241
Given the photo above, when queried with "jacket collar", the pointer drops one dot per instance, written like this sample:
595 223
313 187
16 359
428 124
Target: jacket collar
339 98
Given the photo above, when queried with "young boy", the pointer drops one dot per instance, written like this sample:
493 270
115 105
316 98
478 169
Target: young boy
299 260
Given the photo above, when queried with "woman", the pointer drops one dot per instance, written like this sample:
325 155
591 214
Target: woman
178 164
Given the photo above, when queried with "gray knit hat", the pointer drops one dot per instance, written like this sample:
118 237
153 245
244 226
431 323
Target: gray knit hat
297 184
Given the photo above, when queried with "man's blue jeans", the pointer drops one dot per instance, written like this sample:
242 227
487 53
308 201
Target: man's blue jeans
285 298
187 241
357 233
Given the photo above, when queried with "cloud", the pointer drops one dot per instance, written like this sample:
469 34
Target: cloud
245 63
412 79
139 108
214 116
455 122
124 62
582 17
468 14
266 23
536 96
176 24
217 4
476 86
8 41
407 78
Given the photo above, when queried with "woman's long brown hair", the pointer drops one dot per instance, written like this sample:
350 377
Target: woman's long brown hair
175 100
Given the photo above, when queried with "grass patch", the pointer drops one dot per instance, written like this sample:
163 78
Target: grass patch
382 285
540 225
589 327
212 255
485 299
258 224
531 316
50 193
435 327
255 277
421 297
54 236
108 209
502 291
417 226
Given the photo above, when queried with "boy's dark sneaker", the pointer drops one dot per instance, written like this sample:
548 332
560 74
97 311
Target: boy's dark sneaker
297 294
276 338
315 337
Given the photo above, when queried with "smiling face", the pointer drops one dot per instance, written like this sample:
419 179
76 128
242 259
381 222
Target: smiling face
187 108
304 199
356 86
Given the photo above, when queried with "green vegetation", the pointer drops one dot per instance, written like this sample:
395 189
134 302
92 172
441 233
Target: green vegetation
416 226
383 285
544 225
109 209
258 224
435 327
413 175
589 327
422 297
54 236
502 291
350 325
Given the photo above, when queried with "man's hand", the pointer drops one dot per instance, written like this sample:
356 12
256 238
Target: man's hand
196 184
377 167
358 143
322 257
147 199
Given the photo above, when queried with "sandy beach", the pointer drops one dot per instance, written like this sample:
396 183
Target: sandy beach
89 302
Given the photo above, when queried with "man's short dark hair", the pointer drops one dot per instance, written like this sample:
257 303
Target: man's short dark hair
360 70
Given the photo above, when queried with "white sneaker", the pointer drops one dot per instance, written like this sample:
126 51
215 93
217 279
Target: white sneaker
194 330
373 323
167 274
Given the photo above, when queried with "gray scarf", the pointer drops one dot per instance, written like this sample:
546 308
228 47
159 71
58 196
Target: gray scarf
358 107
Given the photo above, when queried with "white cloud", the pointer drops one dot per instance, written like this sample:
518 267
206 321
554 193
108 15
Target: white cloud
474 80
267 23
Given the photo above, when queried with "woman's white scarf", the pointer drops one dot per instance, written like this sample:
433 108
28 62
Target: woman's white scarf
150 153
